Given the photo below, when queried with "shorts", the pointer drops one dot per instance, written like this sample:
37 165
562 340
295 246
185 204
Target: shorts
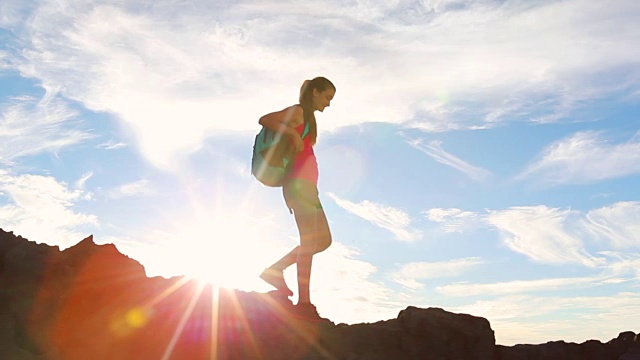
300 195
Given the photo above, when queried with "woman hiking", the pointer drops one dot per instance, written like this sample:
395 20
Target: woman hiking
300 191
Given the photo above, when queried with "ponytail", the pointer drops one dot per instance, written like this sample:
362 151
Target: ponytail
306 101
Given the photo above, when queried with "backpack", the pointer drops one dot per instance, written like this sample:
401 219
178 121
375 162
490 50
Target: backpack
272 156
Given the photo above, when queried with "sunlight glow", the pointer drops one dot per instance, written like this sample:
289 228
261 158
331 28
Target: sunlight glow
225 250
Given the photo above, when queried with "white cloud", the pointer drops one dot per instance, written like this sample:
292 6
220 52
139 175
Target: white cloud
10 13
395 220
543 234
518 287
453 220
617 224
80 183
409 274
112 145
623 264
29 126
509 307
585 157
3 60
558 236
435 150
41 209
175 73
411 284
135 188
344 290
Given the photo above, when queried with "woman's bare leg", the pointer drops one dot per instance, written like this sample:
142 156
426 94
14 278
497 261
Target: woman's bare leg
314 238
286 261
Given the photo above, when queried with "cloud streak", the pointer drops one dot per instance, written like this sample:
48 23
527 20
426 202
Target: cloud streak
395 220
619 224
623 264
542 234
554 235
584 157
29 126
453 220
517 287
435 151
410 274
135 188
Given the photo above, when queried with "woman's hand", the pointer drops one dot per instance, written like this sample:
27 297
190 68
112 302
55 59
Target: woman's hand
298 144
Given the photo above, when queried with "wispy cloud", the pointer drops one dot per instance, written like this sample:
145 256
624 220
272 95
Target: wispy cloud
30 126
585 157
435 150
41 209
543 234
623 264
410 274
135 188
197 64
346 291
453 220
80 185
3 60
395 220
555 235
112 145
518 287
617 224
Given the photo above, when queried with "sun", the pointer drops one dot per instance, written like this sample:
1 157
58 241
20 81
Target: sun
226 250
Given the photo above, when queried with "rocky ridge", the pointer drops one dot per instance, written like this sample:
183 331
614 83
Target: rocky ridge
92 302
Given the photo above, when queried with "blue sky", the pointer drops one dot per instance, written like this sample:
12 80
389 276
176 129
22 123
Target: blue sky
479 156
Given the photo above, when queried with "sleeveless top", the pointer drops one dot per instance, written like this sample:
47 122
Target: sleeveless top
305 165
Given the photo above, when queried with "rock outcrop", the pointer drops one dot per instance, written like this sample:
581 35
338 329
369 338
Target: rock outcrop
92 302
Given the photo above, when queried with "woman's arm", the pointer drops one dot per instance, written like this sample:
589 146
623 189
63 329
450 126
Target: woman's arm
285 121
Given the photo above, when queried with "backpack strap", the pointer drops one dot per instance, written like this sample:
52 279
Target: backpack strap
307 127
306 130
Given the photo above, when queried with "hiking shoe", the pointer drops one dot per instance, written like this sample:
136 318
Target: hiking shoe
308 312
275 278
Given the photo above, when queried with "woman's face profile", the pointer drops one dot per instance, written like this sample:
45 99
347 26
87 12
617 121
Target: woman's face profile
323 98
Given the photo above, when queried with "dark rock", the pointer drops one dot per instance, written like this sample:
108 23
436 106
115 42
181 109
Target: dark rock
633 351
593 350
615 349
631 354
444 335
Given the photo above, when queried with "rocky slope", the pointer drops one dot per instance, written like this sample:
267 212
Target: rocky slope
92 302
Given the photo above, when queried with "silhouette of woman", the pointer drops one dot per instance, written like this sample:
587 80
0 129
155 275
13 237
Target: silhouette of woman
300 191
